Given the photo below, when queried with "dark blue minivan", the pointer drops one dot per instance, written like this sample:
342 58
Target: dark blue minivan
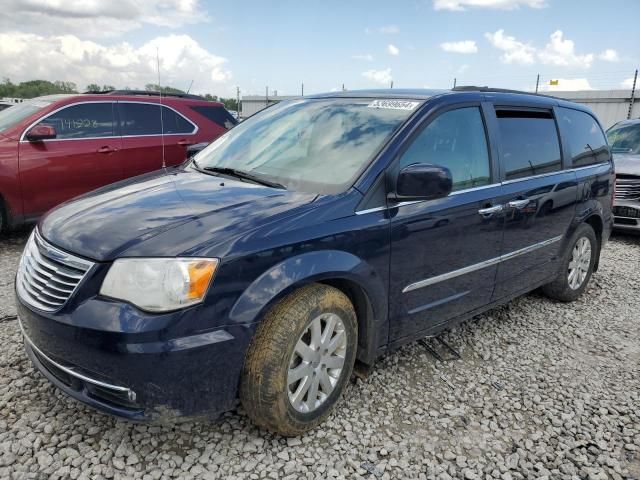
309 240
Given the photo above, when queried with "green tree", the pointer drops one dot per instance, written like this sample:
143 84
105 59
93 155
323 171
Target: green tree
154 87
35 88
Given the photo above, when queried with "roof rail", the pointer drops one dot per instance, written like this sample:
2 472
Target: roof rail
474 88
146 93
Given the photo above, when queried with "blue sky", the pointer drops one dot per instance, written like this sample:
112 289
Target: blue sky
361 44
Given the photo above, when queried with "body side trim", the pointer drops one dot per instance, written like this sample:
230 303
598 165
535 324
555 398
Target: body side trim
478 266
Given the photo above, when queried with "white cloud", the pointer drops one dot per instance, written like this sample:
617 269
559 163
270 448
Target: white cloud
609 55
393 50
389 29
25 56
561 53
514 51
464 46
460 5
628 83
566 85
383 77
365 56
97 18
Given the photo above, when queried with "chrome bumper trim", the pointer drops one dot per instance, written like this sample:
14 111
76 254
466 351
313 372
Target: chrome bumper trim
131 395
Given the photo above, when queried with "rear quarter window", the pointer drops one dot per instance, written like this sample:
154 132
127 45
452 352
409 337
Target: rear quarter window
218 115
585 139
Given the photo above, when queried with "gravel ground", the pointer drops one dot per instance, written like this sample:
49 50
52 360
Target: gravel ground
543 390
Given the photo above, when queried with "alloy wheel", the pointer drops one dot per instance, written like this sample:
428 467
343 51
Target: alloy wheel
579 264
317 362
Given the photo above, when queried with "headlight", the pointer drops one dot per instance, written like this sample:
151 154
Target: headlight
159 284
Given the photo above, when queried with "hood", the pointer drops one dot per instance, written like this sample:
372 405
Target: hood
627 164
118 220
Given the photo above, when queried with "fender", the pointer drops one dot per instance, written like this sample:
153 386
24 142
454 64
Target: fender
310 267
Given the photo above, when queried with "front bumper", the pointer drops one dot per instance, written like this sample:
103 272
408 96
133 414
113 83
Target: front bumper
627 215
138 377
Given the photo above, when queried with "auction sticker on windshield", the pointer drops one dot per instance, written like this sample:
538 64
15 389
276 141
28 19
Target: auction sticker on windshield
394 104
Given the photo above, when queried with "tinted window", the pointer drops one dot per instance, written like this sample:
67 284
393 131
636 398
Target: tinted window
584 137
625 138
218 115
144 119
529 143
85 120
455 140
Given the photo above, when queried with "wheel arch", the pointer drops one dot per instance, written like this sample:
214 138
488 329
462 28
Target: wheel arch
595 222
353 276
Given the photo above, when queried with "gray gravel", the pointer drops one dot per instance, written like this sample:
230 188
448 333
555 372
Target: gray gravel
544 390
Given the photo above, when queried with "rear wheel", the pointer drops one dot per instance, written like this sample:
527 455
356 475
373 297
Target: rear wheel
3 216
577 266
300 360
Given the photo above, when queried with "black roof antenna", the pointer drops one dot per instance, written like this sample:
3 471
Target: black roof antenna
164 164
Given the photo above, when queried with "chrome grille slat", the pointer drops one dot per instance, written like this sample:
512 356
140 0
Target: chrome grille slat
627 188
47 276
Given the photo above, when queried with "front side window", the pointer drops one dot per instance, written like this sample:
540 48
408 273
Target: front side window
529 143
456 140
11 117
585 139
314 145
144 119
625 138
84 120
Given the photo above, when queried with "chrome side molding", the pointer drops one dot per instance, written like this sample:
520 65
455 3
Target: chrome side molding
478 266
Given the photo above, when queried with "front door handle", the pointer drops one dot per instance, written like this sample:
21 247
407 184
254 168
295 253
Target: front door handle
107 149
518 204
489 211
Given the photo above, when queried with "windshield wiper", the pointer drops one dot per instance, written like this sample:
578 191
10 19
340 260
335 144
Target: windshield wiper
252 177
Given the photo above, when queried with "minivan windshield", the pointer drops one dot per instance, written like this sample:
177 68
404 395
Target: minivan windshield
10 117
625 139
313 145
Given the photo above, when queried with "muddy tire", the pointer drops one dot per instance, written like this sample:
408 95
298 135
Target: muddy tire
576 267
300 359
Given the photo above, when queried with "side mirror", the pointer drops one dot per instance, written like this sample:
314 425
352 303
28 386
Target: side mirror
421 181
41 132
196 148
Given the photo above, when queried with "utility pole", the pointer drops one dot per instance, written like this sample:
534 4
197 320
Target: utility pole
633 95
266 97
302 90
343 87
238 100
537 82
391 83
454 82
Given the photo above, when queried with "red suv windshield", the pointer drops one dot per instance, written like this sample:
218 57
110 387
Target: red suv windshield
10 117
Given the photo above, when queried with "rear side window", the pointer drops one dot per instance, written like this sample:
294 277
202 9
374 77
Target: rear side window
585 139
84 120
144 119
529 143
218 115
456 140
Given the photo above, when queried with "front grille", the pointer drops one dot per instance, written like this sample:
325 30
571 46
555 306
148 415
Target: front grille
48 276
627 187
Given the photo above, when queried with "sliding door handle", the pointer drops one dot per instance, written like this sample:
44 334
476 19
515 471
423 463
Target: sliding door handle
489 211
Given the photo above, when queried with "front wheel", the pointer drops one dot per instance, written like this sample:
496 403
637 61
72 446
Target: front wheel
300 360
577 266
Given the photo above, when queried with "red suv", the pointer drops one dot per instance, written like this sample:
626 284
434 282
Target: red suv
56 147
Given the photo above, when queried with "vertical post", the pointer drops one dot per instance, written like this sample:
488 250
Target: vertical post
266 97
633 95
455 80
537 82
238 101
391 83
343 87
302 90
